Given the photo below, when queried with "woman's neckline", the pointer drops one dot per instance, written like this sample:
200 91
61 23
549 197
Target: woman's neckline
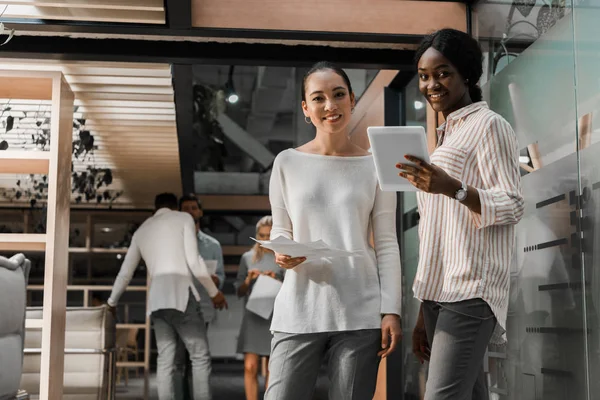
331 157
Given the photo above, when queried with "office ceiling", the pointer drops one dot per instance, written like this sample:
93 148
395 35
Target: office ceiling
128 108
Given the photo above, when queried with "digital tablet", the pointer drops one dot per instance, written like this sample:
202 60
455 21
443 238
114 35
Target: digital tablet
389 144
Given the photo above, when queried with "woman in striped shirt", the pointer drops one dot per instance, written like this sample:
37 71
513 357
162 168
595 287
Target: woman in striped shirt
469 201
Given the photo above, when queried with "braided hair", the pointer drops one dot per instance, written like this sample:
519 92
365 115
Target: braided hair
463 52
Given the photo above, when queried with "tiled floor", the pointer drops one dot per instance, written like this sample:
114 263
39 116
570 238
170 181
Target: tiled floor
227 384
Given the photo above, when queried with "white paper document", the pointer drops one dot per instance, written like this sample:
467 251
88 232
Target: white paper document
262 299
311 250
211 266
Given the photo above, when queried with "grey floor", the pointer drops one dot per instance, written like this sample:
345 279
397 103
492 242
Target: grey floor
227 384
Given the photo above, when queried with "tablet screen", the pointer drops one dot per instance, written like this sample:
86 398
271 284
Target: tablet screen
389 144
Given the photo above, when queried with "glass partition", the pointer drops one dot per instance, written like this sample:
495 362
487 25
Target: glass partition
542 60
586 17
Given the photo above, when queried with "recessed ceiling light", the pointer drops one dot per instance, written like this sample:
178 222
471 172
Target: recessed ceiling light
106 229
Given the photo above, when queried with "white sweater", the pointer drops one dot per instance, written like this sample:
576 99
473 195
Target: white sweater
338 200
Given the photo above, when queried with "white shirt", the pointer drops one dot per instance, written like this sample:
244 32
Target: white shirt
338 200
167 242
465 255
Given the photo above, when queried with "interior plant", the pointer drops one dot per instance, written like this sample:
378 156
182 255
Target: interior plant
208 104
91 184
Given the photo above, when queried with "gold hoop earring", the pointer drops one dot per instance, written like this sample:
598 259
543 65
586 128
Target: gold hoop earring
307 120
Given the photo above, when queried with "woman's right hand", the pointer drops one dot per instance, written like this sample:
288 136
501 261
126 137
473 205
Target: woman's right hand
287 262
420 344
253 274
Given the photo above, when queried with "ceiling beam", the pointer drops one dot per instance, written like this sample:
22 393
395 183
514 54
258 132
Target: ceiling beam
182 52
149 30
183 85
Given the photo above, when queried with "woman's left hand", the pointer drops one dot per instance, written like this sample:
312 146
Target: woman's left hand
428 177
270 274
390 330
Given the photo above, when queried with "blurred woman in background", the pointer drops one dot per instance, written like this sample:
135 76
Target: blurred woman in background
254 340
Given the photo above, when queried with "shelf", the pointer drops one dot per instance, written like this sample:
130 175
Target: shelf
97 250
235 250
131 364
231 268
131 326
24 162
22 242
92 288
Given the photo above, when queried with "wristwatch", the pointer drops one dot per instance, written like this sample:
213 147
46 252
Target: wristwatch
461 194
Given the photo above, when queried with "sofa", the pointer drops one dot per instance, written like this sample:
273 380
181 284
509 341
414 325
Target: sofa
14 273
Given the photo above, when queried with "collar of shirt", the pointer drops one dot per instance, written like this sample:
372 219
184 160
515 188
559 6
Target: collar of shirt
162 211
202 236
446 128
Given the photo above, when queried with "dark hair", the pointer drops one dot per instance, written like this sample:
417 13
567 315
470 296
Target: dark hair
463 52
168 200
322 66
189 197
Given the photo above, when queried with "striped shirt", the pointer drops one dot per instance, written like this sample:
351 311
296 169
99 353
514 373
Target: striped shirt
465 255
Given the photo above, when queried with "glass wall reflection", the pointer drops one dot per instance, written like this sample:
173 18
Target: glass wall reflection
541 63
541 58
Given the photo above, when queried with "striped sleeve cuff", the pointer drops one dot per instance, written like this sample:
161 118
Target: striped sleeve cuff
488 209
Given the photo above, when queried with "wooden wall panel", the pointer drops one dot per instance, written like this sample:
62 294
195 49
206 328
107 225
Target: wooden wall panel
360 16
369 110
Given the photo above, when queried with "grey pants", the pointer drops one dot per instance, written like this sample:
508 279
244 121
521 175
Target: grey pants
183 370
170 326
296 359
458 334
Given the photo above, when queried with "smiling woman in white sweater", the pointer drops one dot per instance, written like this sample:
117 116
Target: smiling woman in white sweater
345 308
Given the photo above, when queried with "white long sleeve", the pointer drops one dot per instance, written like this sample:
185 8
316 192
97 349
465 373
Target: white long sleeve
337 200
167 243
130 263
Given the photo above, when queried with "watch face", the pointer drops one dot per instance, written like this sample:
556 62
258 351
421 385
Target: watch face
461 194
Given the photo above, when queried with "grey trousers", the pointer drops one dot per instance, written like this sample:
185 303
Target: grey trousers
296 359
458 335
184 383
170 326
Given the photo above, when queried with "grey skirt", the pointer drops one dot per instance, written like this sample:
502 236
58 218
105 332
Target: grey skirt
255 335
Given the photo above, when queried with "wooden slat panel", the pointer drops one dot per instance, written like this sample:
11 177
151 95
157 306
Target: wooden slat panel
132 121
124 96
22 242
90 123
126 110
123 103
91 88
24 162
26 88
361 16
134 5
130 117
75 14
119 80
